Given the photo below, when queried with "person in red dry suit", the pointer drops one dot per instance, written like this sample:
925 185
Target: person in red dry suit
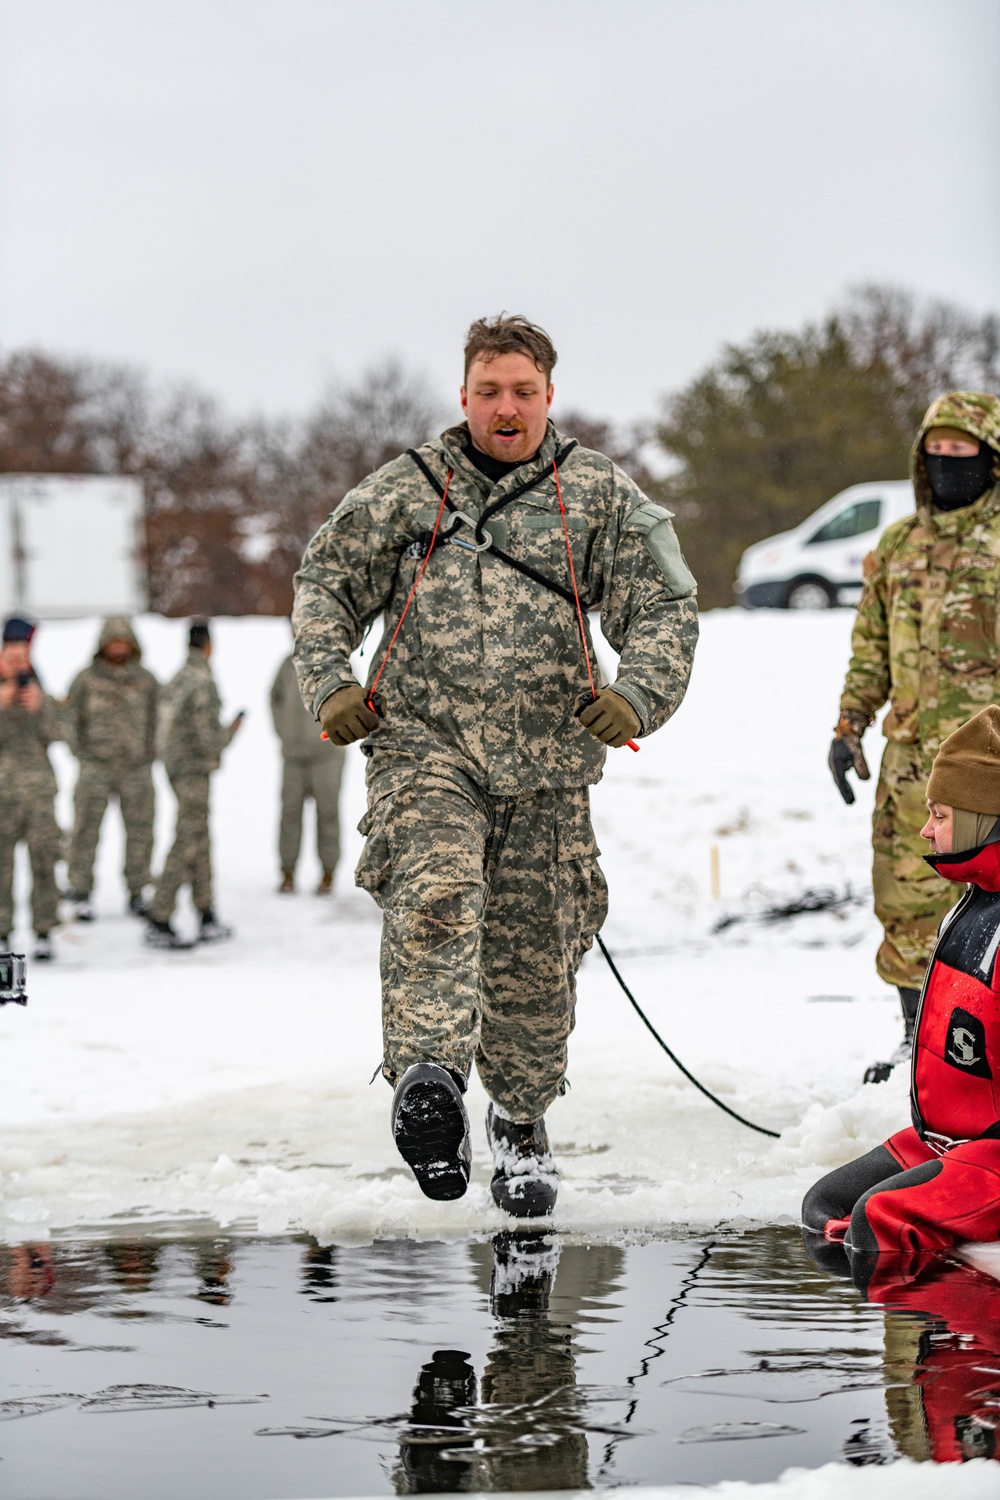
938 1182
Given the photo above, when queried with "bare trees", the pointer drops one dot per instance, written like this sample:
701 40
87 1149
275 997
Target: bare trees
770 430
230 504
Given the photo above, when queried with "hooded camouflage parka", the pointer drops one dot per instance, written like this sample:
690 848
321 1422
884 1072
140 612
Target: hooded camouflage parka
927 640
926 633
110 711
487 670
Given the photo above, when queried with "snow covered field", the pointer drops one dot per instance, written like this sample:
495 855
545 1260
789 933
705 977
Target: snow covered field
230 1086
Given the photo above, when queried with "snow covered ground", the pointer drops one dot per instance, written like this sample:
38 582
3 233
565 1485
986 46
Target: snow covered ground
230 1086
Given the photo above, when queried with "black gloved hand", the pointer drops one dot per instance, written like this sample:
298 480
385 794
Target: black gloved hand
846 753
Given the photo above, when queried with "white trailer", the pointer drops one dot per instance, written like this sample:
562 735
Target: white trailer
71 545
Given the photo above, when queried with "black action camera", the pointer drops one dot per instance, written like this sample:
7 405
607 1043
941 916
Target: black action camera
13 976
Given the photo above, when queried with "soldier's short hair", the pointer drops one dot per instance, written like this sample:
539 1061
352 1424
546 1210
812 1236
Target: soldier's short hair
509 333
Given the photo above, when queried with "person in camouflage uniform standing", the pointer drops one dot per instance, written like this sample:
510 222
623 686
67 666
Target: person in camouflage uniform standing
480 849
29 723
311 767
925 640
190 741
110 719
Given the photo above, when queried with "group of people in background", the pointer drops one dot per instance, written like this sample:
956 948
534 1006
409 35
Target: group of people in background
117 719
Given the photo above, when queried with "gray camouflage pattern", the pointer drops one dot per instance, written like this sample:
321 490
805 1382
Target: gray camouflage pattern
96 785
488 670
489 904
189 738
27 810
190 859
109 713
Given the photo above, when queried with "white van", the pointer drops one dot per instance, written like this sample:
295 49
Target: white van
818 565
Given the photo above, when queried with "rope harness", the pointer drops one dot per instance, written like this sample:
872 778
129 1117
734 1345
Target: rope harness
422 547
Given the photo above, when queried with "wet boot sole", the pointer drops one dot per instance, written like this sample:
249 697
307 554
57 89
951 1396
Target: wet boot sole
430 1129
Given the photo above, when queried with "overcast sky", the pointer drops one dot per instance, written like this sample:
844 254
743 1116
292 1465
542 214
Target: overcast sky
260 195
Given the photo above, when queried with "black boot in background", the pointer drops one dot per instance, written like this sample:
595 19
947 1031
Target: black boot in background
909 1000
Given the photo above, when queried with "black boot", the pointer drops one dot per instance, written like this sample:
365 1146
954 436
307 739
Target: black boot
211 929
524 1266
439 1424
162 935
525 1180
909 999
431 1129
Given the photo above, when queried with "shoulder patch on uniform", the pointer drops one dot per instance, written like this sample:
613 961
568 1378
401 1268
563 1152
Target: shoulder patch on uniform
870 566
646 516
653 522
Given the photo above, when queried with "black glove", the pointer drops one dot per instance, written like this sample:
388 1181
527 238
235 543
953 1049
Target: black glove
846 753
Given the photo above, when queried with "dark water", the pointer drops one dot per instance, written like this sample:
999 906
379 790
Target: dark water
257 1368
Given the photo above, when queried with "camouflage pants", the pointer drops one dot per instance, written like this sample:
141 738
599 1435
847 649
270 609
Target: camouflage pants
910 899
30 816
320 780
96 784
190 859
489 905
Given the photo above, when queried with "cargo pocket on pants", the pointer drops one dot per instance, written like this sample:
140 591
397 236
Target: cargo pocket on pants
375 865
582 887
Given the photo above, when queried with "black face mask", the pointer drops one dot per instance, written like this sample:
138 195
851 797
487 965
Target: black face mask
956 482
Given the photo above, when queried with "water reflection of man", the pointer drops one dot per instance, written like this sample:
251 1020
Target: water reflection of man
213 1266
133 1263
529 1431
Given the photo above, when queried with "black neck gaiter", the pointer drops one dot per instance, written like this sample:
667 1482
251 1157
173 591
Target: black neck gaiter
956 482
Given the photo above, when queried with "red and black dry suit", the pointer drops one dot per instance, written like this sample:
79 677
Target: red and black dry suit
945 1318
937 1183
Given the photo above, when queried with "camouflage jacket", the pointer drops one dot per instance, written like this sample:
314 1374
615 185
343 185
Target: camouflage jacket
189 738
25 768
110 714
488 670
927 633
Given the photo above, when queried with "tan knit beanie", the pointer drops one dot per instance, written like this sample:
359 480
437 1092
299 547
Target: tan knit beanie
966 770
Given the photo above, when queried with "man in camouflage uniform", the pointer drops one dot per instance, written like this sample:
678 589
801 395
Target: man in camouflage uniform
926 640
110 719
190 741
28 725
311 767
479 848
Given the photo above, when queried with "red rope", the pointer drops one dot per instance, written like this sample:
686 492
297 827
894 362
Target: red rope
572 574
576 593
413 590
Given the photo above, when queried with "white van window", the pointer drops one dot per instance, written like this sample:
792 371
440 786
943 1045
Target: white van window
855 520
